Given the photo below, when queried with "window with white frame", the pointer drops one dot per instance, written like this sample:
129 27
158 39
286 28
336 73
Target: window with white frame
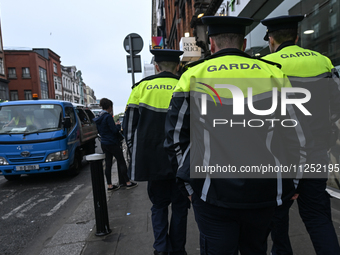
55 69
43 74
26 72
55 83
43 82
14 95
28 94
12 73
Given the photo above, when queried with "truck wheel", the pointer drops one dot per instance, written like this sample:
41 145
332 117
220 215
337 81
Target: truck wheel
76 167
12 177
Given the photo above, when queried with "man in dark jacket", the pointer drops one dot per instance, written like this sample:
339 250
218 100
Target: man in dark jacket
110 144
315 72
144 129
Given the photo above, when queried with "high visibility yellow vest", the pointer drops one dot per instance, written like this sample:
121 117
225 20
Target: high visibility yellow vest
29 120
293 57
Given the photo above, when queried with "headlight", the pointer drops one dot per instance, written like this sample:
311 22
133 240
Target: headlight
57 156
3 161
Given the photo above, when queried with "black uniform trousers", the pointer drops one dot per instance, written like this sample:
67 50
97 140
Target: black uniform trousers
224 231
111 151
171 238
315 211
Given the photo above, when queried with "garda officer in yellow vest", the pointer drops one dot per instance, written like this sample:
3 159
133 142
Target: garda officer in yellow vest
310 70
144 129
232 213
20 120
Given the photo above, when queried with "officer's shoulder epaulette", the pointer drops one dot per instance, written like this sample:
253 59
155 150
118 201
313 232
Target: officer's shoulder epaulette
144 79
160 75
270 62
187 66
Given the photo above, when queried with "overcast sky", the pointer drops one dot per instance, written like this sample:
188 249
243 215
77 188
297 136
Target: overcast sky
86 34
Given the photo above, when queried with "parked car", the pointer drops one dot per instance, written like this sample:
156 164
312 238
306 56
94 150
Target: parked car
96 111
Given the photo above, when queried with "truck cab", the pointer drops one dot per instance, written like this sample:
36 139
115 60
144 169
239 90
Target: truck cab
38 136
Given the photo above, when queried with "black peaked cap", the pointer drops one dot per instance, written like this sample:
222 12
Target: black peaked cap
281 22
226 24
167 55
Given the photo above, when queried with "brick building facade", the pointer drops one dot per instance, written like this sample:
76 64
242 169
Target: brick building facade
32 71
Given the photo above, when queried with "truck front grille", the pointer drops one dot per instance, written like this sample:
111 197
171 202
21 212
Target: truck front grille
34 157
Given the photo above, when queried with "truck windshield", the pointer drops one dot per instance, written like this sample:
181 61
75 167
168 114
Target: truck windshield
30 118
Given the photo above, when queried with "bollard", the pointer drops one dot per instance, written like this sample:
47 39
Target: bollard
99 194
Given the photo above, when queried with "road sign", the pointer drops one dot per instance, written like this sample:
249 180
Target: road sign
133 44
136 43
136 64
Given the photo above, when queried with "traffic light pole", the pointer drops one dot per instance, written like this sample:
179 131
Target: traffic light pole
131 61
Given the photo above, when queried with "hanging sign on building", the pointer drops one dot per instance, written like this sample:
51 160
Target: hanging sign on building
191 51
157 42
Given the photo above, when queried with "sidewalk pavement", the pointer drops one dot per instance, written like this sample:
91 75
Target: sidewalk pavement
130 221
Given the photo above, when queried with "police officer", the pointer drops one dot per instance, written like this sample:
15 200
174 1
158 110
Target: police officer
144 129
315 72
232 213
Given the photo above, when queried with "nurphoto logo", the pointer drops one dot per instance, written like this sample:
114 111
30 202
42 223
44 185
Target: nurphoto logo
239 99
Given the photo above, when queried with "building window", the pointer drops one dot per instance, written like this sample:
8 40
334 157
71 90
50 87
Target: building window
14 95
56 83
55 69
43 82
26 72
12 73
316 9
2 71
28 94
316 29
43 74
332 21
3 92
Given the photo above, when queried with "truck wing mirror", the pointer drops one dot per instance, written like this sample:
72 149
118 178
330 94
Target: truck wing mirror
67 122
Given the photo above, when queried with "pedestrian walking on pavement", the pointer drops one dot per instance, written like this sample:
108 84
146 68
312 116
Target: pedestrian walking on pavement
144 129
111 146
232 211
310 70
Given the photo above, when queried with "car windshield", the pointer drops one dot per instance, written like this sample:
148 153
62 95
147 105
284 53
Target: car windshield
26 119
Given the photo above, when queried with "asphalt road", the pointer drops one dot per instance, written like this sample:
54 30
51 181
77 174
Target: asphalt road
33 208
